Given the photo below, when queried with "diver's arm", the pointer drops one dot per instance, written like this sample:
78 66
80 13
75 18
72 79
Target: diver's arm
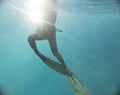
59 30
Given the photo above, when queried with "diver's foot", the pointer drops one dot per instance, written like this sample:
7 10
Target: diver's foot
64 65
68 72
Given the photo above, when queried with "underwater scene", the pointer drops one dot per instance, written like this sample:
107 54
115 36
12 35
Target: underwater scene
87 38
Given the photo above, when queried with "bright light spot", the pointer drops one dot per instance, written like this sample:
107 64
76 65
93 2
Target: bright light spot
36 16
36 10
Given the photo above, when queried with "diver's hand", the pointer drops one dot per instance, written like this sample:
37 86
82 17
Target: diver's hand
59 30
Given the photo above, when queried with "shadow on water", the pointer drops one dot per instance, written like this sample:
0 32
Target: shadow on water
118 92
1 92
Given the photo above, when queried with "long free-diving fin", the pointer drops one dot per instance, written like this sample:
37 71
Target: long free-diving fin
76 84
55 65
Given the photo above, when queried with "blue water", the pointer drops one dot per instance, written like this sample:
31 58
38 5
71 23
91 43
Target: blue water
89 45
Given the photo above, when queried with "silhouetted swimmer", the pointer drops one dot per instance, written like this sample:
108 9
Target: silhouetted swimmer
47 31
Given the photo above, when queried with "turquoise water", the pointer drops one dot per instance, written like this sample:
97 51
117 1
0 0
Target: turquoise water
89 45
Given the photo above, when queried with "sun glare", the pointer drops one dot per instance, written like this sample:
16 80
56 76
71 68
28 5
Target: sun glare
35 10
35 16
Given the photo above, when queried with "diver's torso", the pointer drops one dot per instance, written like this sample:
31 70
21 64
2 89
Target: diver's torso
48 24
50 16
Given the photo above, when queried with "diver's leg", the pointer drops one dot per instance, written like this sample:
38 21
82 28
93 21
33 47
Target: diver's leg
31 40
52 64
53 46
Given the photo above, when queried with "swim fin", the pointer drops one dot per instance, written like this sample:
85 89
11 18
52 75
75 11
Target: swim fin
78 85
55 65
